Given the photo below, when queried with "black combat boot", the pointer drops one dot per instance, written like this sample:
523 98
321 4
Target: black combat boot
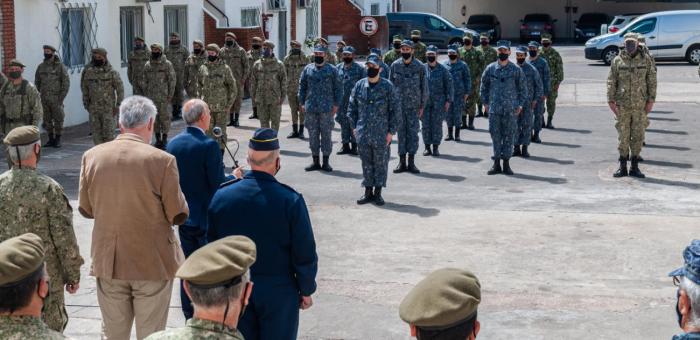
236 122
367 197
326 166
516 151
506 167
158 143
49 143
464 123
301 131
255 113
536 137
457 139
622 171
412 164
450 136
231 119
344 150
549 123
486 114
640 159
427 151
481 111
316 165
353 149
57 141
164 141
295 131
471 123
378 199
436 152
525 154
401 167
176 112
496 168
634 169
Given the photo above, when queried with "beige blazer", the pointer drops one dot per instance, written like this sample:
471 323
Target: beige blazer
132 190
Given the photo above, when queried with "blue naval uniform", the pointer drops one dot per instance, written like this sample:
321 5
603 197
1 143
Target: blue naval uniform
373 112
348 76
523 133
385 70
275 217
319 90
543 68
441 91
503 89
411 82
687 336
462 85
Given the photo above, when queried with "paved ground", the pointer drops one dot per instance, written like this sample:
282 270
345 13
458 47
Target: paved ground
562 249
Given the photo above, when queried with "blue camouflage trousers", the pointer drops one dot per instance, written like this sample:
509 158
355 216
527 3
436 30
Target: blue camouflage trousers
408 131
502 127
320 126
538 115
346 135
432 119
454 114
375 164
523 131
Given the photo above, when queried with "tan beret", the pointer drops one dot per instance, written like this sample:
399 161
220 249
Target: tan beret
49 47
23 135
213 47
198 42
294 43
269 44
138 38
219 263
157 46
445 298
323 40
20 257
15 62
631 36
101 51
257 39
174 35
231 34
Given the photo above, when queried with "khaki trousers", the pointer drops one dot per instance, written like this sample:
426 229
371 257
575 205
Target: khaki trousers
123 302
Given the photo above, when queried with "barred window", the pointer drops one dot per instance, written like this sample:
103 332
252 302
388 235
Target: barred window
374 9
250 17
312 19
78 27
176 21
131 26
275 4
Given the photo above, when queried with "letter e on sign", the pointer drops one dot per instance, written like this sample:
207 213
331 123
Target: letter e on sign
369 26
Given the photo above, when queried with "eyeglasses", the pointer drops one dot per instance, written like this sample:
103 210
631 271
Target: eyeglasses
677 281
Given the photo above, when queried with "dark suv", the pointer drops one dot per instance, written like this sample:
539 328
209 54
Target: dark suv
588 25
534 25
485 23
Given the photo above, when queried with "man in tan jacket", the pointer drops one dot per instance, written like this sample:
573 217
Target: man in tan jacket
132 191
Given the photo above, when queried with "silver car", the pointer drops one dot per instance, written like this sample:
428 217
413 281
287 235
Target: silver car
671 35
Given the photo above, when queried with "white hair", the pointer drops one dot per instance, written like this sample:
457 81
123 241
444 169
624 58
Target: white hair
692 289
193 110
136 111
25 151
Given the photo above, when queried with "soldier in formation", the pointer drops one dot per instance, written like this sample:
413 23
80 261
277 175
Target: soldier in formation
136 62
160 85
51 79
294 64
489 55
330 57
20 102
218 89
103 91
177 55
545 77
268 82
383 66
192 65
254 55
462 85
523 131
395 53
556 73
503 92
236 58
441 94
475 61
339 48
350 73
419 48
373 113
35 203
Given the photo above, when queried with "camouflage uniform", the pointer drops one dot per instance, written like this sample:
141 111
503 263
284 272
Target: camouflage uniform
319 90
462 85
253 56
419 48
331 59
237 60
136 64
3 79
503 89
374 111
475 61
349 76
160 85
218 89
26 327
177 55
198 329
294 64
19 105
489 55
556 73
391 56
545 77
192 65
535 90
441 91
35 203
411 81
268 82
51 79
103 91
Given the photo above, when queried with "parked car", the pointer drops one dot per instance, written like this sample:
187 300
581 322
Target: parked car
533 25
670 35
435 30
589 25
620 21
485 23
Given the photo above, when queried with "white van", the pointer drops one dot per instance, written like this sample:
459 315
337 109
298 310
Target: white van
672 35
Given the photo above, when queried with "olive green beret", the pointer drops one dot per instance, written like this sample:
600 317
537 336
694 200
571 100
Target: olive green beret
49 47
137 38
631 36
101 51
174 35
269 44
398 38
23 135
157 46
546 37
198 42
231 34
213 47
294 43
15 62
445 298
257 39
415 33
20 257
219 263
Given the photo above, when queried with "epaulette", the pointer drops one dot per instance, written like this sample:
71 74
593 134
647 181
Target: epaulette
227 183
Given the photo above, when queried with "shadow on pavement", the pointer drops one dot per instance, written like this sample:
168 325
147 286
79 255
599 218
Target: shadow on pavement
249 128
662 112
669 164
563 145
551 180
671 183
411 209
664 119
667 147
343 174
584 132
550 160
667 132
295 153
450 178
473 142
459 158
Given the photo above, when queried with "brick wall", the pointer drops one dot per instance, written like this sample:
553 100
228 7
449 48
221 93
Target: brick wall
215 35
7 32
293 22
340 17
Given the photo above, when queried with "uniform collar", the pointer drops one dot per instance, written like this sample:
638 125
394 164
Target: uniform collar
196 130
212 326
259 175
26 320
131 137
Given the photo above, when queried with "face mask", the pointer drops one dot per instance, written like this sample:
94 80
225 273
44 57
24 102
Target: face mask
467 43
155 55
97 62
532 53
14 74
347 60
546 44
678 310
229 42
520 61
372 72
256 47
415 40
502 56
630 47
267 53
406 56
174 42
484 43
139 47
212 58
453 57
431 58
296 51
197 50
397 46
318 60
48 56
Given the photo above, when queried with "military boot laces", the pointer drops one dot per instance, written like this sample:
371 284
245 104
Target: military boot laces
634 170
496 168
367 197
378 199
622 170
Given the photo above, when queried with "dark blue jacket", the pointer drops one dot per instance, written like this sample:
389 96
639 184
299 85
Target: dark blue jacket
274 216
201 171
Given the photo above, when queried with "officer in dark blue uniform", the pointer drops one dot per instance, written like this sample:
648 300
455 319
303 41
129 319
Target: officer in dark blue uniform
687 278
275 217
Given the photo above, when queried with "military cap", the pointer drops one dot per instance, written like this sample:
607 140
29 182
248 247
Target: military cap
445 298
294 43
20 257
546 37
198 42
213 47
49 47
503 44
15 62
631 36
415 33
373 59
219 263
407 42
468 36
452 48
375 50
269 44
398 38
174 35
138 38
521 49
231 34
323 40
341 43
432 49
348 50
691 268
257 40
157 46
101 51
320 48
264 139
23 135
484 35
533 44
642 40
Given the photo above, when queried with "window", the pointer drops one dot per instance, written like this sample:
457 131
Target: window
275 4
176 21
374 9
643 26
312 19
130 27
436 24
78 25
250 17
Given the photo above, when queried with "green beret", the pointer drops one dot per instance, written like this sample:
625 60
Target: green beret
269 44
415 33
157 46
15 62
219 263
546 37
445 298
101 51
23 135
139 39
198 42
174 35
398 38
631 36
49 47
231 34
213 47
20 257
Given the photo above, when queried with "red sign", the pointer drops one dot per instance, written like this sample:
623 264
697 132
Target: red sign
369 26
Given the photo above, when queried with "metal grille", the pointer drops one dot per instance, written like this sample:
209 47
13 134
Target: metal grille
312 19
176 21
250 17
275 5
374 9
78 31
130 27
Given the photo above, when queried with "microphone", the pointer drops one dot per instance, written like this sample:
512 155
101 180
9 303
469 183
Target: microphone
216 131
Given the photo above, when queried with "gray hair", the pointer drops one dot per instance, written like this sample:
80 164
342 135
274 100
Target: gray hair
193 110
217 296
693 290
136 111
25 151
263 157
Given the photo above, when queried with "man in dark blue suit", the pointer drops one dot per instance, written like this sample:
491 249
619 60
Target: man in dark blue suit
201 169
275 217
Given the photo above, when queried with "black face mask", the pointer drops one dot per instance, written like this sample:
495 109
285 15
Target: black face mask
318 60
174 42
372 72
678 310
229 43
415 40
631 47
155 55
503 56
546 44
48 56
397 46
212 58
97 62
14 74
532 53
430 58
256 47
197 50
467 43
139 47
347 60
295 51
453 57
406 56
520 60
484 43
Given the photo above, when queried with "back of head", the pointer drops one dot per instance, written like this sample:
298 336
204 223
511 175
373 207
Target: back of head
21 269
136 111
193 110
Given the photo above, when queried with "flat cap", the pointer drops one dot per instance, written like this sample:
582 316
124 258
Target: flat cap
264 139
631 36
257 40
432 49
138 38
100 50
320 49
503 44
348 49
269 44
198 42
220 263
157 46
691 267
415 33
213 47
20 257
407 42
294 43
49 47
23 135
521 49
16 62
323 40
231 34
533 44
373 59
397 38
445 298
546 37
174 35
452 48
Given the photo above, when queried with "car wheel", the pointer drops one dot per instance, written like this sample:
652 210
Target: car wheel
693 55
609 54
